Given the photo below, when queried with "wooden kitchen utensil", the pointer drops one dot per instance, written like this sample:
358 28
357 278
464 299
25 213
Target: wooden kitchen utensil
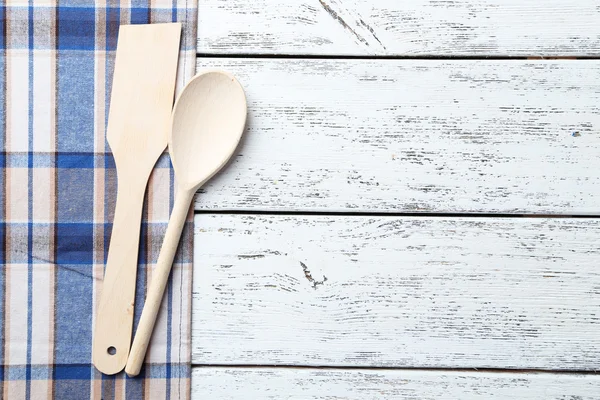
138 123
208 121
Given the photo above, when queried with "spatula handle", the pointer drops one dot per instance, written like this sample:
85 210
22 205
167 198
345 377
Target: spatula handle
158 283
114 315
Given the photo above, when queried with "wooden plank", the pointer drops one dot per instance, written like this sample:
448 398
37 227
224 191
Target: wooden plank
393 28
338 384
415 136
397 291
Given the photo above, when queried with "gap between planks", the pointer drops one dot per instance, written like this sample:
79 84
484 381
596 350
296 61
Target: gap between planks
268 56
400 369
384 214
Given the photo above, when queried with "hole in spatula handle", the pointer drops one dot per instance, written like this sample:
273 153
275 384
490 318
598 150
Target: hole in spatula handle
111 350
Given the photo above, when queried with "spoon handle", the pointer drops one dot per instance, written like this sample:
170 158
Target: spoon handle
158 283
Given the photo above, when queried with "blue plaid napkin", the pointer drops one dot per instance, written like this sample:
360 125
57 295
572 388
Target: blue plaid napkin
58 190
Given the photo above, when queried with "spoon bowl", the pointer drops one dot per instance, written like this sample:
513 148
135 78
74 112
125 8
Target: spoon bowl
207 125
208 122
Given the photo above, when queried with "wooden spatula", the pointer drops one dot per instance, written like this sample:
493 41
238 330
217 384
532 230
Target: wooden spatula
138 123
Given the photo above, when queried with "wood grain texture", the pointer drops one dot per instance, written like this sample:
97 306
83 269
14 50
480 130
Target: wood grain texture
338 384
414 136
396 291
400 28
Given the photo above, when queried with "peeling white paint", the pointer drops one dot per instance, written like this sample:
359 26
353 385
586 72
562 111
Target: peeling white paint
400 292
400 28
339 384
414 136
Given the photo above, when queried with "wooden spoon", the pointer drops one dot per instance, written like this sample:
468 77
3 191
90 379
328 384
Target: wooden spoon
207 124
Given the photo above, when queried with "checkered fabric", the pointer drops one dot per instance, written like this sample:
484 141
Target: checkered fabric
57 198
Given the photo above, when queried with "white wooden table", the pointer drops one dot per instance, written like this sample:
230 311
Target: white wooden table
413 211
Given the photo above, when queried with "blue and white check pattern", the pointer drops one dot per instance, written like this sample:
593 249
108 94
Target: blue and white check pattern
57 198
